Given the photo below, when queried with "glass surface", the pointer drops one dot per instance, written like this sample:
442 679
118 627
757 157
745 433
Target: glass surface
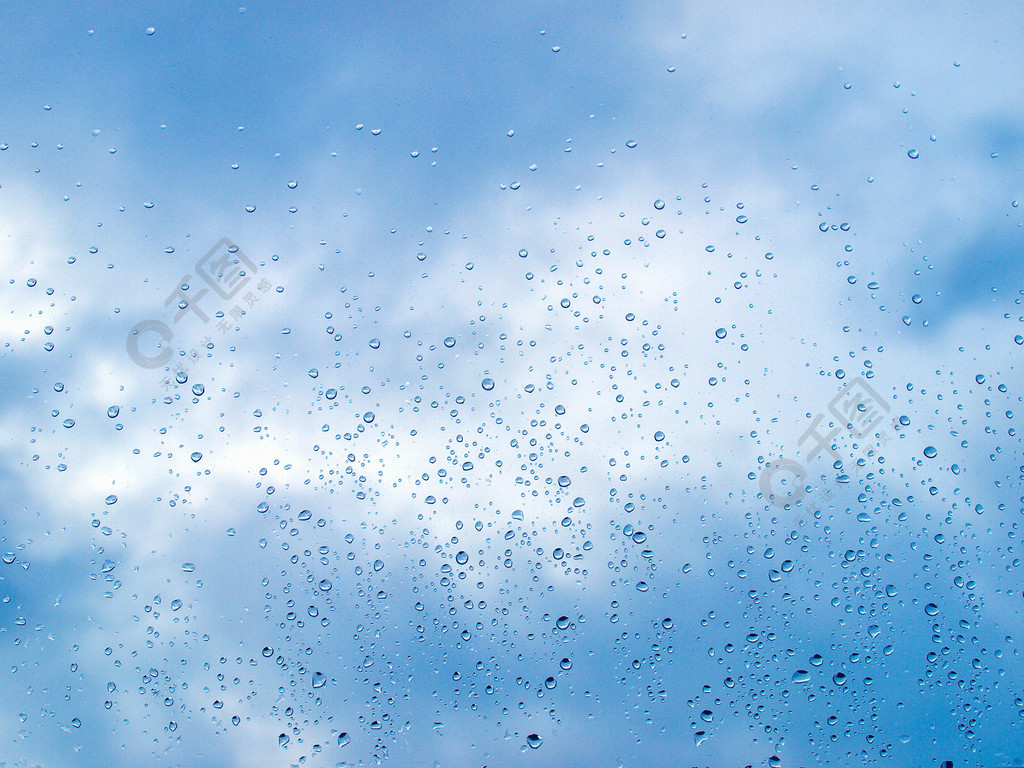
543 384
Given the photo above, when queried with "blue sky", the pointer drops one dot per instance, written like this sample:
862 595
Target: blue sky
670 235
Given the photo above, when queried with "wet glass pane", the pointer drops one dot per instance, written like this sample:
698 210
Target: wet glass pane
536 384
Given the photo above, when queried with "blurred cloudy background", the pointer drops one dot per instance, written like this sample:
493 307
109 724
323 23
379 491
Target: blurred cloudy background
471 467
